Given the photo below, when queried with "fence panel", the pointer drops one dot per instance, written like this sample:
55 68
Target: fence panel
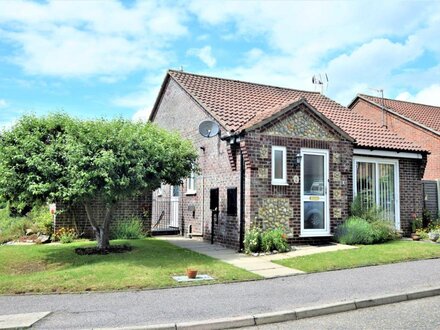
431 198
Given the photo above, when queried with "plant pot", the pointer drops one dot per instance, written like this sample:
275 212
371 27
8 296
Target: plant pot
415 237
191 273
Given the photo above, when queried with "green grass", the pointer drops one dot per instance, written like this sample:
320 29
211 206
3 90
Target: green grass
151 263
364 255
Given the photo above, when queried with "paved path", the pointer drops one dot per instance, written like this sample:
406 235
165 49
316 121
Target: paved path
84 311
261 265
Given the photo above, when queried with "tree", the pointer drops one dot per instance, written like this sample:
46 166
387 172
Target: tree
59 158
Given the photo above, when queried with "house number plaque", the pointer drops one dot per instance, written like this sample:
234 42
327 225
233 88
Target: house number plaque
295 179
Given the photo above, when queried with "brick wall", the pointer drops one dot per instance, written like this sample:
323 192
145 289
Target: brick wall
177 111
406 129
411 194
258 146
75 217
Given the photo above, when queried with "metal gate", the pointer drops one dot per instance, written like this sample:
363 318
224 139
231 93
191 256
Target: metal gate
431 197
166 216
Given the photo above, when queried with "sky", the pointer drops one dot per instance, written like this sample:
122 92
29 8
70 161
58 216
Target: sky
108 58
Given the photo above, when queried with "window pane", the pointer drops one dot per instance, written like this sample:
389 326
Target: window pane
175 191
314 175
386 190
314 215
278 164
366 184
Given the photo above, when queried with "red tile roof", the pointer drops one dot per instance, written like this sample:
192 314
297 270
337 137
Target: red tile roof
237 104
422 114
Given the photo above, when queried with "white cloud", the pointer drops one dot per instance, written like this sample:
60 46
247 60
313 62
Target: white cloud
204 54
429 95
81 38
3 103
141 101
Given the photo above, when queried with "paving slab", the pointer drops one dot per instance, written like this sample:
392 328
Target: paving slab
258 265
21 321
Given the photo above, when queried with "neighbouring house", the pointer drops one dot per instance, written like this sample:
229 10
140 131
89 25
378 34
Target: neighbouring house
284 158
415 122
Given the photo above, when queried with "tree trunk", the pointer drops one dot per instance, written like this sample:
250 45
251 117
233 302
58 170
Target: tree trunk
102 231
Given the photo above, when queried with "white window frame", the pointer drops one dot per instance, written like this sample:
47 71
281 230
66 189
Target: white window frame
283 180
191 184
376 161
160 190
326 230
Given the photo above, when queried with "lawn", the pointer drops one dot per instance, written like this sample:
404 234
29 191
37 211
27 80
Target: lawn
364 255
151 263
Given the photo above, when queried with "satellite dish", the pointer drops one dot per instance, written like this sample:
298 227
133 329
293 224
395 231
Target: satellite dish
208 128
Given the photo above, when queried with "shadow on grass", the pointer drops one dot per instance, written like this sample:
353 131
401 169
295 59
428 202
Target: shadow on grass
149 253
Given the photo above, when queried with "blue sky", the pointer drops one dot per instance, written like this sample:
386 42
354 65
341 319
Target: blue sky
108 58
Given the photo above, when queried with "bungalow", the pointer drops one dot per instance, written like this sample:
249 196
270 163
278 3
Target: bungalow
283 158
415 122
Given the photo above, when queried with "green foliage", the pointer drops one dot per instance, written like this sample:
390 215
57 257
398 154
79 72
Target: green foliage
58 158
257 240
252 240
360 210
354 230
422 233
65 235
274 239
131 228
359 231
41 217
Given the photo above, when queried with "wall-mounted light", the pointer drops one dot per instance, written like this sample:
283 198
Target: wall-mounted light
297 160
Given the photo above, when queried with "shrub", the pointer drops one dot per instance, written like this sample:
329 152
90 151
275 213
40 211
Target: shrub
131 228
274 239
12 228
359 231
422 233
252 240
360 210
42 218
383 231
354 231
65 235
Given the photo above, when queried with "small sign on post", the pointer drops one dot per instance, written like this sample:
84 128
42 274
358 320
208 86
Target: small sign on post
52 208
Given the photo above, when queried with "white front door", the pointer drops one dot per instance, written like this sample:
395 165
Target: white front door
315 215
174 216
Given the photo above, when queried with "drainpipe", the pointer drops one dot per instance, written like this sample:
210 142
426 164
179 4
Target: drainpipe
242 201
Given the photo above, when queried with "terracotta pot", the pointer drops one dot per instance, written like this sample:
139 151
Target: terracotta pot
415 237
191 273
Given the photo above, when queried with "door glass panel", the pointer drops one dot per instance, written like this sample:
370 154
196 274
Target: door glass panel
386 190
314 175
314 215
366 184
278 164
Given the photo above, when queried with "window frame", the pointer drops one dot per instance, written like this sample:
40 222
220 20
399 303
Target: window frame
376 161
191 184
283 180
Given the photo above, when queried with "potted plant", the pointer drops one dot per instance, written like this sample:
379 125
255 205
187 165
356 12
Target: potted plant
191 272
416 223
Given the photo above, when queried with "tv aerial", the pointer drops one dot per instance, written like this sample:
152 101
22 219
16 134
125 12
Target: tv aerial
209 129
321 81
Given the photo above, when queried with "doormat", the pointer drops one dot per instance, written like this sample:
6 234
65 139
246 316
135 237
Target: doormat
202 277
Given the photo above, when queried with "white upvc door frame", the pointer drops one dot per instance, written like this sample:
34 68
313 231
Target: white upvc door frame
324 199
377 161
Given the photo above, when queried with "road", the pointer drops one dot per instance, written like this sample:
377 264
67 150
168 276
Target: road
112 309
414 314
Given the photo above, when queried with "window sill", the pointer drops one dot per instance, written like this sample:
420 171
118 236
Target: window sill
305 235
191 193
280 184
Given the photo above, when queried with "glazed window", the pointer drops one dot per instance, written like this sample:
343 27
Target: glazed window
279 168
191 184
